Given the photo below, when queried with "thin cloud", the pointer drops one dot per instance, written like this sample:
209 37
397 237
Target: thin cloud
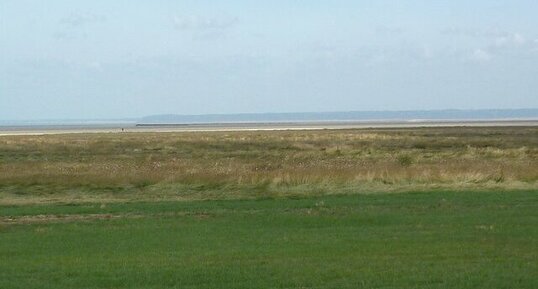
500 37
68 35
204 23
510 40
75 26
481 55
474 33
77 20
495 41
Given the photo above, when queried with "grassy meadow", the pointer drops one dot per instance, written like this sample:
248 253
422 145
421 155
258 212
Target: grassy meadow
238 165
373 208
407 240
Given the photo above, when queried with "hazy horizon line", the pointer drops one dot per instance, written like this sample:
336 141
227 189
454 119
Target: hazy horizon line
244 114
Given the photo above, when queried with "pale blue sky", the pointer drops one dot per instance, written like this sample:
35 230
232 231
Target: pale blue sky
115 59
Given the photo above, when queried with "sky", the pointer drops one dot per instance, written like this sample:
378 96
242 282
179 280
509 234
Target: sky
121 59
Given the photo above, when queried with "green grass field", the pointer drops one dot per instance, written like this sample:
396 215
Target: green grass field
386 208
406 240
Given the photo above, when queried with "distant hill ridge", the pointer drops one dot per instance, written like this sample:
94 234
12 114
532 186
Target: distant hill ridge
409 115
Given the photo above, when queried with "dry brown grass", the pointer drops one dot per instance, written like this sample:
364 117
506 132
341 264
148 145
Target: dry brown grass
252 164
